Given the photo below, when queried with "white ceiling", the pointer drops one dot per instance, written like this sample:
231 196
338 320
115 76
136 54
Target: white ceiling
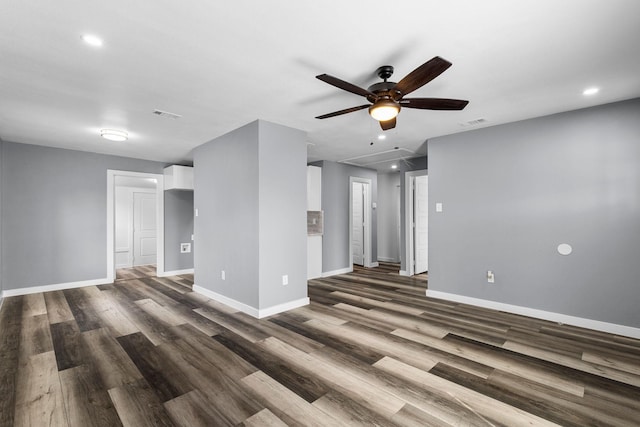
221 65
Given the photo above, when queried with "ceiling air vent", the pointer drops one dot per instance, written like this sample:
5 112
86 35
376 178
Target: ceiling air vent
166 114
475 122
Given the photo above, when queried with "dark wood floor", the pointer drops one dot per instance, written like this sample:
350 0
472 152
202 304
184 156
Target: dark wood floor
370 349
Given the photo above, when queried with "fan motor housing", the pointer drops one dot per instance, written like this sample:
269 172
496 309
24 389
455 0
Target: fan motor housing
382 90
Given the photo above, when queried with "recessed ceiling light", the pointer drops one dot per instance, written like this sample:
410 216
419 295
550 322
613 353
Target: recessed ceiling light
394 166
382 136
591 91
114 135
92 40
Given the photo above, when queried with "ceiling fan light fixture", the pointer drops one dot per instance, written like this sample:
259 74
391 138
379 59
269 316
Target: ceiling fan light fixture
384 110
114 135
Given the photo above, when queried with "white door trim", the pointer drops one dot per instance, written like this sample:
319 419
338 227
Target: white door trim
367 221
111 174
408 218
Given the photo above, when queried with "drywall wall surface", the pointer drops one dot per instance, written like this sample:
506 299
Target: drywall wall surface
178 229
389 217
335 203
282 214
512 193
226 200
54 213
1 191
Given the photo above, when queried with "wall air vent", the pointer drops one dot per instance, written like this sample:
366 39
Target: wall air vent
166 114
475 122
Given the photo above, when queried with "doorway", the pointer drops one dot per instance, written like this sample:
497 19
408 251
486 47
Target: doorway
144 213
360 221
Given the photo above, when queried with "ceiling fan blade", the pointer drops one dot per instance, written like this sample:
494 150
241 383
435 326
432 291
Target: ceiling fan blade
388 124
341 112
422 75
341 84
433 103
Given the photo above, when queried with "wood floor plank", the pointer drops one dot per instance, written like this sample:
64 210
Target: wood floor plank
308 387
10 331
379 401
194 410
39 400
36 335
506 361
349 412
485 408
67 344
58 309
83 312
264 418
160 373
33 305
224 393
87 402
138 406
111 361
288 406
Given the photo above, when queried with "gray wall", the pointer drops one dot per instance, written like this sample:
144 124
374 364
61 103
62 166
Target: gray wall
178 228
283 214
250 192
226 228
389 217
512 193
1 240
54 220
335 204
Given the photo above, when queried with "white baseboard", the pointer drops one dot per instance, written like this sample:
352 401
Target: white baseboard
597 325
56 287
280 308
404 273
373 265
336 272
175 272
251 311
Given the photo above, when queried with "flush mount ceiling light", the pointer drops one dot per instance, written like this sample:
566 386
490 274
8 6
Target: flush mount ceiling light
92 40
382 136
114 135
590 91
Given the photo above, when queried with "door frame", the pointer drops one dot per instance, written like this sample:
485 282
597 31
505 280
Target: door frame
367 221
111 174
409 186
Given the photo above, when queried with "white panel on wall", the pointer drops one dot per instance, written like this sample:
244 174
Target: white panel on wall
314 203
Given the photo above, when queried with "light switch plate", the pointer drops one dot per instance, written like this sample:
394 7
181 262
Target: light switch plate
438 207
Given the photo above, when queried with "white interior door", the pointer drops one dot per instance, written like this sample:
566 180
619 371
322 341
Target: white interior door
421 218
357 224
144 229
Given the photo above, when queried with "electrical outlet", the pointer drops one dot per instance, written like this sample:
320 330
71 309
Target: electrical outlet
491 278
222 275
185 248
285 280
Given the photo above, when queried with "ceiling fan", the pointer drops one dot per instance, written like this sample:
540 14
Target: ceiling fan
387 98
